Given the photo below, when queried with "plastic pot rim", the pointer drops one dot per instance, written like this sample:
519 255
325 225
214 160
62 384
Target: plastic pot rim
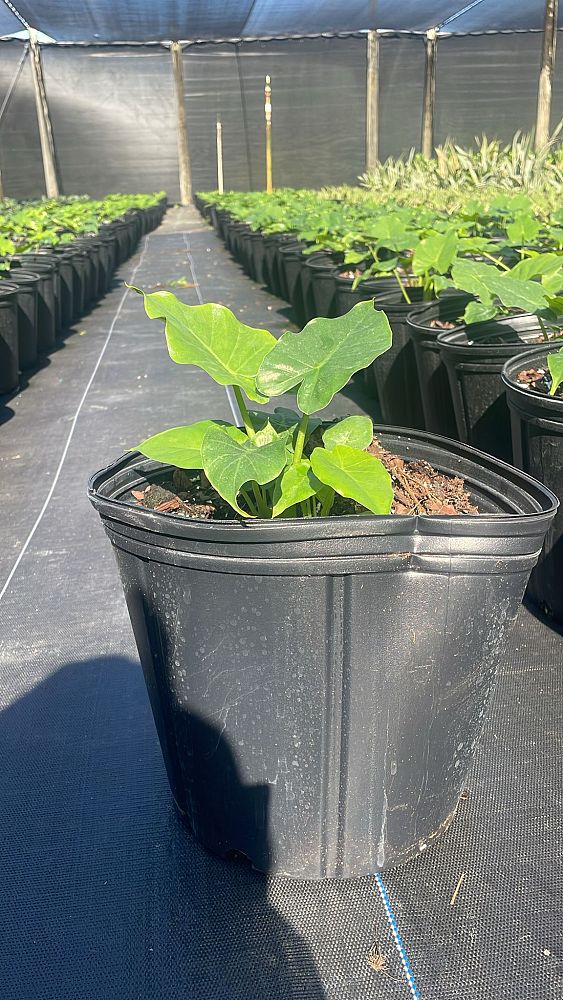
540 499
552 404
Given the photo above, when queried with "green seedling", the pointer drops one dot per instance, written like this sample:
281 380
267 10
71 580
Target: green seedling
501 291
273 466
555 365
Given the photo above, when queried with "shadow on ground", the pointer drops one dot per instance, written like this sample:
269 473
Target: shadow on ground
106 894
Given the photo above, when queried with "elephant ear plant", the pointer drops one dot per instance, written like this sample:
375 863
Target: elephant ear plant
271 467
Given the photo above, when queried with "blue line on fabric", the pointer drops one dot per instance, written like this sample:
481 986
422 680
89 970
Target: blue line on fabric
397 936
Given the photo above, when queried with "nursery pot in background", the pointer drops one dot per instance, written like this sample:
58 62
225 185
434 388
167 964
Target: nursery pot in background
537 442
9 357
46 300
347 296
27 284
319 685
321 284
425 323
474 358
394 375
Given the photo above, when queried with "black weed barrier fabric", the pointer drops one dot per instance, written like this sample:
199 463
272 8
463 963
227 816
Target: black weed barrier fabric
104 894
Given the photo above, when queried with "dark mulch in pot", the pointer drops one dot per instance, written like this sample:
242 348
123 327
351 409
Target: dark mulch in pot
538 380
421 489
418 488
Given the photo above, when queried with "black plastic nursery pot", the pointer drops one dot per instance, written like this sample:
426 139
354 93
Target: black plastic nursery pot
474 358
46 301
27 284
310 262
271 263
322 285
290 258
9 356
425 323
395 376
40 260
318 685
537 442
256 256
293 262
99 261
347 296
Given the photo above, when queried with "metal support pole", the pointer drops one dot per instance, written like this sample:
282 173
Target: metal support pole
543 116
184 170
220 186
43 118
372 101
268 117
427 136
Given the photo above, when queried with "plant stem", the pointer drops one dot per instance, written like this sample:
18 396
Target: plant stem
326 506
495 260
263 509
249 503
244 411
402 287
300 439
543 329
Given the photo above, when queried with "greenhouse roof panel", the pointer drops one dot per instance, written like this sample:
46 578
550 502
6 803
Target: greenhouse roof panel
212 20
9 23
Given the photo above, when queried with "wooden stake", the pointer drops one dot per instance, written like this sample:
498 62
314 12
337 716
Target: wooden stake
219 157
268 117
543 116
43 118
372 101
427 137
184 170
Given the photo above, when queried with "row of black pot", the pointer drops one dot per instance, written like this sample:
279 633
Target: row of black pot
45 291
439 375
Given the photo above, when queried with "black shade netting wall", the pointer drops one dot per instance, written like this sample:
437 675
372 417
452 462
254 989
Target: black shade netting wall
114 123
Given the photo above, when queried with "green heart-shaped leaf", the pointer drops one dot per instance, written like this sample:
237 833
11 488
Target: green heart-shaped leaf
435 253
477 312
282 419
212 338
229 464
524 229
542 264
487 282
296 484
355 474
355 431
555 365
181 446
324 356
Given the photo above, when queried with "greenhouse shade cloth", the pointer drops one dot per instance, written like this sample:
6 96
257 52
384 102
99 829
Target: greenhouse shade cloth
212 20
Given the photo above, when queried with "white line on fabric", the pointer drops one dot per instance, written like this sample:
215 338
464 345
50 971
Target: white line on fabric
228 388
48 498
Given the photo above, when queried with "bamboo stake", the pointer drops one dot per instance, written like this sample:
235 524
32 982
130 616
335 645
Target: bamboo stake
268 117
427 136
43 118
372 101
543 115
220 187
184 170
